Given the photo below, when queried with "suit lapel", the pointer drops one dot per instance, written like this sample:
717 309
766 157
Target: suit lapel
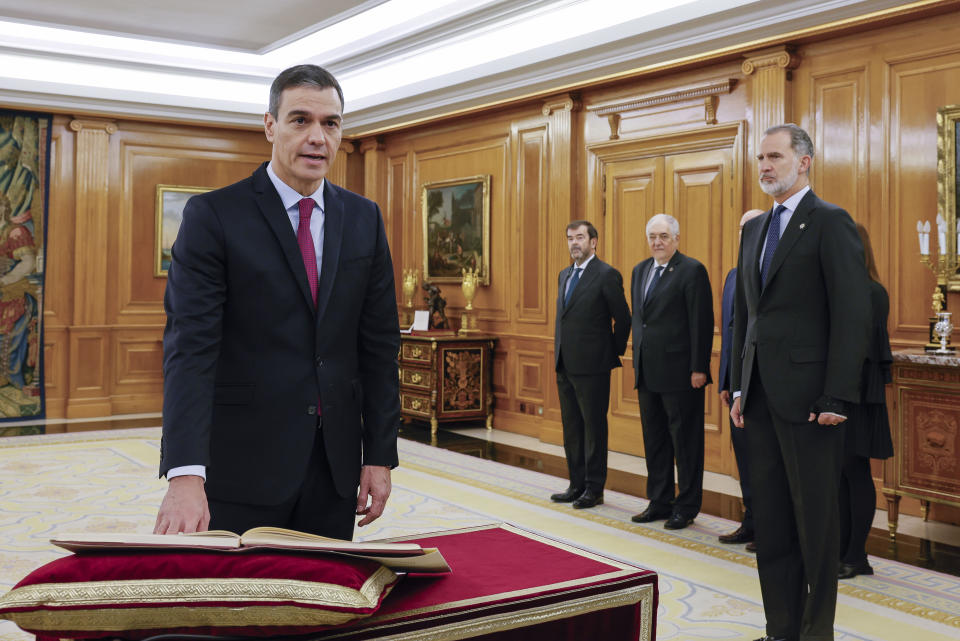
798 222
666 278
332 239
752 246
271 207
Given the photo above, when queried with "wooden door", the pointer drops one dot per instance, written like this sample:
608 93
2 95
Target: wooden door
700 188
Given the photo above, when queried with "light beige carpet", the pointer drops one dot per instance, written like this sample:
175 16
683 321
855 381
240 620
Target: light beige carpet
102 481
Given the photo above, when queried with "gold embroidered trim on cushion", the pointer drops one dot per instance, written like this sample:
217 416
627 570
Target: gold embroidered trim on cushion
123 619
152 592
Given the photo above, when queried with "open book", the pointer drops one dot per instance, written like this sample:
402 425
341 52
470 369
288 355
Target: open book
404 557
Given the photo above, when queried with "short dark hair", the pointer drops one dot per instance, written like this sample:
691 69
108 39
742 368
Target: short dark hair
577 224
799 139
299 76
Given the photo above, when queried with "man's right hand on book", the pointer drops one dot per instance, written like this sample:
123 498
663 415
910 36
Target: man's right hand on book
184 507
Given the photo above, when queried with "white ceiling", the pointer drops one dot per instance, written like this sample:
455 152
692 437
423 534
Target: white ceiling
242 25
212 61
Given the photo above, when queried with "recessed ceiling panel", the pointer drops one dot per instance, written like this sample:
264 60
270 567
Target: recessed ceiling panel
234 24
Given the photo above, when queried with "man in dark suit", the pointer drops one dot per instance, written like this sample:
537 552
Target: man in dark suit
744 533
586 347
280 349
801 328
672 341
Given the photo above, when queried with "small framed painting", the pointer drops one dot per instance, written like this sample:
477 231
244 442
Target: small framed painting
171 200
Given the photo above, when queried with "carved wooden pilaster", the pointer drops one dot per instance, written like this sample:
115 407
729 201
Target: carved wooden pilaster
88 385
770 75
90 203
559 112
374 169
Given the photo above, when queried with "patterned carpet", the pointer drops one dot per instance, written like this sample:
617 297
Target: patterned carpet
106 481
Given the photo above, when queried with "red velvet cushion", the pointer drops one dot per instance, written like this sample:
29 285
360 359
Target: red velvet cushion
140 594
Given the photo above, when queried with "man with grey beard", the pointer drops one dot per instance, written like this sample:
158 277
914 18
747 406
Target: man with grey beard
801 326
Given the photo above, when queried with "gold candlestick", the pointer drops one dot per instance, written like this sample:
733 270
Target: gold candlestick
468 323
410 280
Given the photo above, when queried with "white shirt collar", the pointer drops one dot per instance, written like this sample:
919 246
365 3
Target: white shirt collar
793 201
291 196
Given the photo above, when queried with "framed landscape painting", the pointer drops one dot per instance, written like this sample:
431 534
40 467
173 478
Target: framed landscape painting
170 202
456 229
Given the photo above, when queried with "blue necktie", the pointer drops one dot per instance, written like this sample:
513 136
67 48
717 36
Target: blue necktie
773 239
653 283
573 283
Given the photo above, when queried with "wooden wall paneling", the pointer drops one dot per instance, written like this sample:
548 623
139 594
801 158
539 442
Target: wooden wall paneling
920 82
451 157
138 366
769 74
89 372
147 157
532 238
839 132
396 221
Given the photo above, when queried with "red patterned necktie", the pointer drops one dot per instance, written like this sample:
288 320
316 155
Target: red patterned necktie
305 240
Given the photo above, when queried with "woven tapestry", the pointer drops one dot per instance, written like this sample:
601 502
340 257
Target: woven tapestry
24 180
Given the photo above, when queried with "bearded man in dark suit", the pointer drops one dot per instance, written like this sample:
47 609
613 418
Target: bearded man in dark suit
587 347
281 401
801 330
672 341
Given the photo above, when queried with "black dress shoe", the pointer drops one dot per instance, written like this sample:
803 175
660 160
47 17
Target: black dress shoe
588 499
848 571
771 639
740 535
677 522
650 514
567 496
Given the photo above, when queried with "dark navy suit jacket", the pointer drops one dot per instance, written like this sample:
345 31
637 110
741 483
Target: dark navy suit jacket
247 355
726 329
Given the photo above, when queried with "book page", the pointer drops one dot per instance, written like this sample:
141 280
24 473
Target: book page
218 540
290 539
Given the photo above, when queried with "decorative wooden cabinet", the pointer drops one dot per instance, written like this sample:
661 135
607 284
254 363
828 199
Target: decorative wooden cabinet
926 433
446 378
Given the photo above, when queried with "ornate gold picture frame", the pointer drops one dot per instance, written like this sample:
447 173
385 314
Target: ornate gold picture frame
170 202
456 229
948 179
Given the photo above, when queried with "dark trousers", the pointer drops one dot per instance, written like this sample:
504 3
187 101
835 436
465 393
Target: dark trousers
796 518
315 508
739 439
673 430
584 400
858 500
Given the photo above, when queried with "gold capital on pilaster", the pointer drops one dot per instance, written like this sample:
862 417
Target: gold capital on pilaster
568 102
348 147
778 57
94 124
372 144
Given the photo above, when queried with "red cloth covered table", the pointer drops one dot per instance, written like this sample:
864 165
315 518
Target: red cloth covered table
508 584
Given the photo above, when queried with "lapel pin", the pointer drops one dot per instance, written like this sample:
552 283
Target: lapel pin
670 270
803 225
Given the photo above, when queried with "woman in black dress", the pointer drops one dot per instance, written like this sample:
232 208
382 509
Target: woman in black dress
868 433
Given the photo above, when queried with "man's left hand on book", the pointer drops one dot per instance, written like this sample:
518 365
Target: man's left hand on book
184 507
